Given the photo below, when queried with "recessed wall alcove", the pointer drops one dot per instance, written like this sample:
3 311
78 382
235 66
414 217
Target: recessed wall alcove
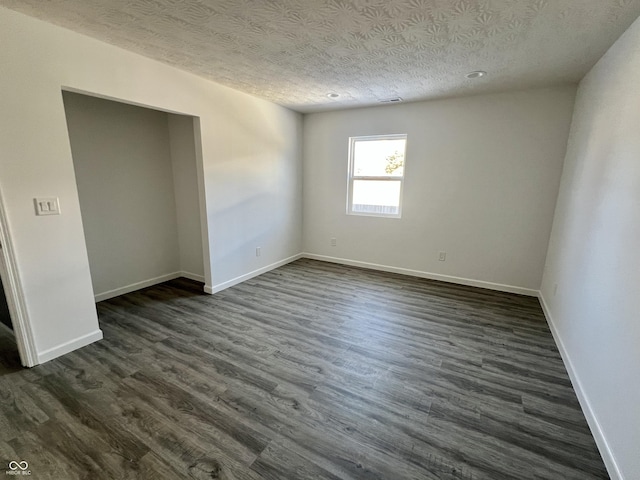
136 173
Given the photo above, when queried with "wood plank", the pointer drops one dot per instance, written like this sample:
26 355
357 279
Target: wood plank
312 370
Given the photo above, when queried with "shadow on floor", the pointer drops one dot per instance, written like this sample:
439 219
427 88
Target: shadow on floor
9 356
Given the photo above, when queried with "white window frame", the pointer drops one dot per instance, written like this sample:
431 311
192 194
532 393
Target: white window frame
387 178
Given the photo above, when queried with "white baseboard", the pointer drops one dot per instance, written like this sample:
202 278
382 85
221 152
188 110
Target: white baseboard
592 420
145 283
69 346
234 281
432 276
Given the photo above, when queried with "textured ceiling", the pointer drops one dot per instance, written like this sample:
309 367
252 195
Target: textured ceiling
296 52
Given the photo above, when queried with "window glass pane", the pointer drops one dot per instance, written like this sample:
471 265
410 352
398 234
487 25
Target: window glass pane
376 196
379 158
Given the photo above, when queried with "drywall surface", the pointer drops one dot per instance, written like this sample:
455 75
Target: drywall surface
124 174
482 176
250 164
185 185
593 253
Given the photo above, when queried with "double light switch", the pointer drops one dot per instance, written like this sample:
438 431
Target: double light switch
47 206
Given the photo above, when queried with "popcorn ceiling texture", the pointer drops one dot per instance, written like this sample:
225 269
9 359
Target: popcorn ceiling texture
294 52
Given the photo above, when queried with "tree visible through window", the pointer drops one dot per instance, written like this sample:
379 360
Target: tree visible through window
376 174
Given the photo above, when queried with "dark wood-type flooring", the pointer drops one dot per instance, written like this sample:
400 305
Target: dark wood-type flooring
313 370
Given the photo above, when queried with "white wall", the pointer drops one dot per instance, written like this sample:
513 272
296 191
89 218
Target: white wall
250 168
185 184
594 254
482 176
124 174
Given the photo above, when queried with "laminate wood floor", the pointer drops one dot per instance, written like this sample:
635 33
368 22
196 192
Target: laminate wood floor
310 371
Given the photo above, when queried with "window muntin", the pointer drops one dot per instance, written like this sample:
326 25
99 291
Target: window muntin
376 174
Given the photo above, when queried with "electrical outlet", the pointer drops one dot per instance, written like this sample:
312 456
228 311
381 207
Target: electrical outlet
258 251
334 242
442 256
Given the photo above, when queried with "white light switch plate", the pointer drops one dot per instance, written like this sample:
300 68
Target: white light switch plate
47 206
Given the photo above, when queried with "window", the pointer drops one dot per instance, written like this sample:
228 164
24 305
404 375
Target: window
376 174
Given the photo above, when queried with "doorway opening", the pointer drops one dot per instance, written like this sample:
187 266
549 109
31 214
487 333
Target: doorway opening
9 354
16 338
139 185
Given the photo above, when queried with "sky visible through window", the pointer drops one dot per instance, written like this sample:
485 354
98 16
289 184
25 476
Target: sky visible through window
370 157
381 162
